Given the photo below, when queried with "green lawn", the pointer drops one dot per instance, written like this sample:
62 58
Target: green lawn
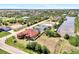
72 52
75 52
2 34
77 24
3 52
20 44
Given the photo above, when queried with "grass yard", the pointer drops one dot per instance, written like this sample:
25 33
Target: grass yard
75 52
72 52
3 52
77 24
20 44
2 34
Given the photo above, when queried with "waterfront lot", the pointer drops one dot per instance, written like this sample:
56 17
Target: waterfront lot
56 45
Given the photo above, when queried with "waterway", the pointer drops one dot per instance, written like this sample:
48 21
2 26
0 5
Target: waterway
67 27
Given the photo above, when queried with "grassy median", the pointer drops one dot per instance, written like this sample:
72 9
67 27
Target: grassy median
3 33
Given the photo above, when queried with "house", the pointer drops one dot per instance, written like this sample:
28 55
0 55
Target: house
28 33
5 29
31 33
42 27
21 35
25 18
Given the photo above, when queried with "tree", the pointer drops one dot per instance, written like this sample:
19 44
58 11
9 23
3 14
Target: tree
74 40
31 45
15 41
1 21
52 34
38 48
45 50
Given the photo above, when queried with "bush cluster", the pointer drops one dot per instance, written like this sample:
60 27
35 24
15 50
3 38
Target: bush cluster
74 40
52 34
66 36
38 48
56 26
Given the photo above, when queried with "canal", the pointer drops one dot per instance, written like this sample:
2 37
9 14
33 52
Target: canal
67 27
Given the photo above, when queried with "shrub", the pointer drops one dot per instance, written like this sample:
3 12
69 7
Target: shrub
38 48
74 41
31 45
45 50
56 26
66 36
52 34
15 41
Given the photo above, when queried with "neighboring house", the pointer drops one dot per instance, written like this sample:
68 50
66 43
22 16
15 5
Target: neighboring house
28 33
25 18
31 33
41 28
21 35
5 29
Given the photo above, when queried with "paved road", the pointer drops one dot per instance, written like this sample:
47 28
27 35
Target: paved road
11 49
32 26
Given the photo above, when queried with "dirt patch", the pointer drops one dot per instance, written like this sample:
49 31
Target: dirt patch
49 42
55 45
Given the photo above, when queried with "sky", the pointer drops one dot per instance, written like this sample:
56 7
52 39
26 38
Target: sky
39 6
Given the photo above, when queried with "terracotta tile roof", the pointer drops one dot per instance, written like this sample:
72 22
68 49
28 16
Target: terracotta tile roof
29 33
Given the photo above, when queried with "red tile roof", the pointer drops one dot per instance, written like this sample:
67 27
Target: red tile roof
29 33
